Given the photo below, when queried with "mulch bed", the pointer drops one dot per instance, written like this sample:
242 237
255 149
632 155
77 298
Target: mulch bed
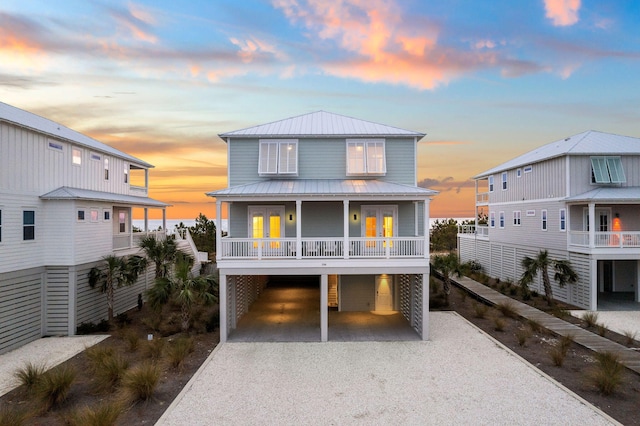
623 405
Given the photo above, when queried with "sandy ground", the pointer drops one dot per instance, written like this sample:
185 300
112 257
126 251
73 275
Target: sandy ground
461 376
49 351
618 321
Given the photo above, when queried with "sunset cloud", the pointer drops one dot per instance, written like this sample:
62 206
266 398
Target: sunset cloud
562 13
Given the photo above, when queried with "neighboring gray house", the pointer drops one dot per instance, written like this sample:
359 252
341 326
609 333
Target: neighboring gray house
65 202
579 198
328 196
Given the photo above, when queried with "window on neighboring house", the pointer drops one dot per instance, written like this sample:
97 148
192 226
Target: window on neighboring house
56 146
543 215
107 215
516 218
563 219
80 214
519 173
122 224
492 219
501 219
490 183
28 225
106 169
126 173
278 156
76 156
366 157
94 215
528 169
607 170
504 181
95 156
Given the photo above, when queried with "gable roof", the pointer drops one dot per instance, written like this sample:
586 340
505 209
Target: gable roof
586 143
32 121
68 193
324 187
322 124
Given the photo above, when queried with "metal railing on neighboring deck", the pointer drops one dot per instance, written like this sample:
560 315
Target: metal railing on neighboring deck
477 230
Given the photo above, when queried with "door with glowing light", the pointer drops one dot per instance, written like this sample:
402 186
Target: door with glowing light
265 223
379 222
384 293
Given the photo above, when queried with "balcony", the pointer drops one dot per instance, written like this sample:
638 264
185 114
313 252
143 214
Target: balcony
606 239
482 198
322 248
125 241
478 231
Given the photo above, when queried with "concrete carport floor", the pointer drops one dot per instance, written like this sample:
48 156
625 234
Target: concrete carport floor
289 311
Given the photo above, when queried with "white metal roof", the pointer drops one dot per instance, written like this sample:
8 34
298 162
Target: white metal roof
609 194
67 193
32 121
323 124
323 187
587 143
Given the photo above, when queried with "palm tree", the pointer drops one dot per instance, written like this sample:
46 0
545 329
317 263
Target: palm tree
114 273
447 265
161 252
563 272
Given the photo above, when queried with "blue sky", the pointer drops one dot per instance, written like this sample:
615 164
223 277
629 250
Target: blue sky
485 80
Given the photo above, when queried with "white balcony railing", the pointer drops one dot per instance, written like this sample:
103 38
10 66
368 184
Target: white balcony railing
482 198
479 231
287 248
128 240
605 239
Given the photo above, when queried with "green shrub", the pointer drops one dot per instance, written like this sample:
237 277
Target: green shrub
473 266
178 351
90 328
54 385
153 321
140 382
122 320
590 319
513 290
499 324
522 334
214 321
507 309
105 414
480 310
30 375
608 373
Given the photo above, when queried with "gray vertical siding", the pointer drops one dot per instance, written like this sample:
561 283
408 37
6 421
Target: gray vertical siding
20 307
357 293
547 180
580 173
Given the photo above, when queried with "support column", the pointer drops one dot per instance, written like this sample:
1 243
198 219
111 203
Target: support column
146 219
592 225
222 291
593 284
298 229
164 219
425 306
218 229
345 229
71 308
426 228
324 307
637 285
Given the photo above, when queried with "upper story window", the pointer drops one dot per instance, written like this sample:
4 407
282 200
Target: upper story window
504 181
28 225
106 169
607 170
501 219
517 218
366 156
543 215
563 219
490 183
56 146
528 169
76 156
80 215
95 156
492 219
126 174
519 173
278 156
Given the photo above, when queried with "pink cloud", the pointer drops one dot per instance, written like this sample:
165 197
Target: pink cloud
562 12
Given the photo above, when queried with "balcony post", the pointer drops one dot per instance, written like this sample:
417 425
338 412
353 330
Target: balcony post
164 219
345 229
146 220
218 229
592 225
426 228
298 229
324 307
222 285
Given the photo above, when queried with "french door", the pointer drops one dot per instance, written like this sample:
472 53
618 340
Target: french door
379 222
266 222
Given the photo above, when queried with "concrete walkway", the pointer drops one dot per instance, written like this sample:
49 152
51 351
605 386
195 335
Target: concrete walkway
461 376
581 336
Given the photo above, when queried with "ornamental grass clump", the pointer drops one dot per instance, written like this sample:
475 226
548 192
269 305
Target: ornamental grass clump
608 373
499 324
630 337
480 310
54 386
507 309
105 414
590 319
14 416
178 350
154 349
30 375
132 339
559 352
522 334
139 383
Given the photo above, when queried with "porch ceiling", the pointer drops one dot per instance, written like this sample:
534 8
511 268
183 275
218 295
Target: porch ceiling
320 188
628 194
68 193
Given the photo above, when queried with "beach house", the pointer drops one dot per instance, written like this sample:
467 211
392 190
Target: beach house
66 201
578 198
329 197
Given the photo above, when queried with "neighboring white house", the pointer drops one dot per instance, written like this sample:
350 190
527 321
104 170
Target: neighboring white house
330 196
578 198
65 202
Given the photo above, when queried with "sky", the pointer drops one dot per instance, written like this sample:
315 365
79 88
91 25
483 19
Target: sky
486 81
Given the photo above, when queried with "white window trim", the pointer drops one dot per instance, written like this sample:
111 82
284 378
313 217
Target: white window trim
518 173
55 145
561 222
105 167
544 220
35 222
527 169
278 160
491 183
610 170
84 215
366 143
492 219
126 173
517 218
106 211
75 149
503 180
501 220
95 156
97 214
